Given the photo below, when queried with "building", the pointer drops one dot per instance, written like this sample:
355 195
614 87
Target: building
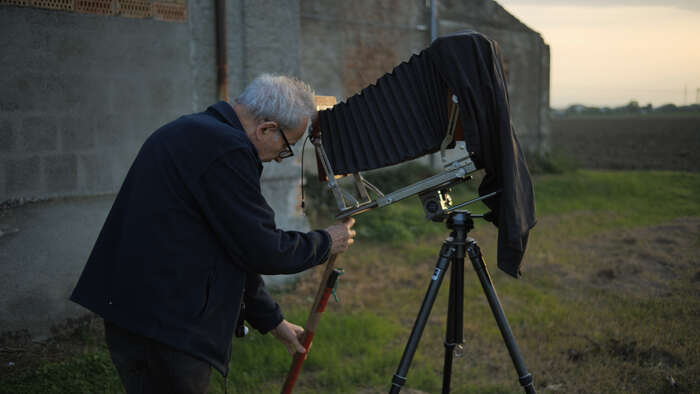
349 45
85 82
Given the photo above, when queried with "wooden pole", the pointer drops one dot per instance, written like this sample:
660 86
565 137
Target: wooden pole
325 289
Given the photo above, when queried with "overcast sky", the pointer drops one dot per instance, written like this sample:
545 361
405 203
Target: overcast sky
611 52
684 4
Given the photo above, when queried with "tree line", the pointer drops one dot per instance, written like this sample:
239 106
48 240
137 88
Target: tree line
631 108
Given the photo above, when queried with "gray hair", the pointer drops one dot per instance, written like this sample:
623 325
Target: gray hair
279 98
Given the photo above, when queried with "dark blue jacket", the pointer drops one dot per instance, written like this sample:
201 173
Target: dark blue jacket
187 238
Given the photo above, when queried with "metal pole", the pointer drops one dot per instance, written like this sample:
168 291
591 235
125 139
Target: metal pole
221 62
433 20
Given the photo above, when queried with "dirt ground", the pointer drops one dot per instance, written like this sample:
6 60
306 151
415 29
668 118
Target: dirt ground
647 263
640 262
630 143
19 353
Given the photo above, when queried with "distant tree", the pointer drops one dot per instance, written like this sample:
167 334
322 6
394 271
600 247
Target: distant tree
667 108
574 109
581 110
689 108
557 113
632 107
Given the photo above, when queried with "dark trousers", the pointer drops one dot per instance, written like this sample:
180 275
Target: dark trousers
147 366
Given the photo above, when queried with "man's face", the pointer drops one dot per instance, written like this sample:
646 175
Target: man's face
271 143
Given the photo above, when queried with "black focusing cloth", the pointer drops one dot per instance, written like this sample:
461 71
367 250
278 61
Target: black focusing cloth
471 65
404 116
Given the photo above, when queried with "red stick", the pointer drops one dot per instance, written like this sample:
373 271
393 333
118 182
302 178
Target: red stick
324 292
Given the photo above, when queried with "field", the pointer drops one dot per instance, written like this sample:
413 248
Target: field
657 142
608 302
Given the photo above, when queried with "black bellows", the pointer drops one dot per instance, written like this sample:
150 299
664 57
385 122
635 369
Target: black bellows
400 117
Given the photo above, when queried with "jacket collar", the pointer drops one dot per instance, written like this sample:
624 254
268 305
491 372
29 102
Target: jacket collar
227 114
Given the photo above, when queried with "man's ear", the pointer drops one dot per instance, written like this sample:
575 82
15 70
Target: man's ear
264 127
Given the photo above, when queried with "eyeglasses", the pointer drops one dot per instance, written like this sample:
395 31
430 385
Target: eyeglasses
287 152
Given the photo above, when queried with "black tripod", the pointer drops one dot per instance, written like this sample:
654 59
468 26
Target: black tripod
453 251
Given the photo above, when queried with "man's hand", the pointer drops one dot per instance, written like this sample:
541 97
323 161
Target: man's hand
291 335
342 235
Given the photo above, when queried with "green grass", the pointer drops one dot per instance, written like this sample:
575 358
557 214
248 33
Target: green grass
86 373
642 197
575 334
604 199
357 347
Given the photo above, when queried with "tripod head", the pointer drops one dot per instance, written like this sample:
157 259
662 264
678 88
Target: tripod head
437 202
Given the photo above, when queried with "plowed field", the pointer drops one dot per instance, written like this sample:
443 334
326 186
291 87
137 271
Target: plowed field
630 143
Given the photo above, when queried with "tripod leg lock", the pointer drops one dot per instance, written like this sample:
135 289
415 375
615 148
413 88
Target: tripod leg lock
475 256
473 250
398 381
457 348
525 380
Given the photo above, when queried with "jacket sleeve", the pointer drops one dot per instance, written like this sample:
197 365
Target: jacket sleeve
232 203
261 311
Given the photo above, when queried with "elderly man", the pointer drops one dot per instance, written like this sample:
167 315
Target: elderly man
178 261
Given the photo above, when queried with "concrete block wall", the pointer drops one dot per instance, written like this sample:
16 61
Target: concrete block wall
80 95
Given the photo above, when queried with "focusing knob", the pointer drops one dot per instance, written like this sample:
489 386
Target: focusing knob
432 206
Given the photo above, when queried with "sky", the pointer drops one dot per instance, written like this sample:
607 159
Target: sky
607 53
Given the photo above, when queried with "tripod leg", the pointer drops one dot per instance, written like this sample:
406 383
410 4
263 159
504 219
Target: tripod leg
455 311
446 253
482 272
